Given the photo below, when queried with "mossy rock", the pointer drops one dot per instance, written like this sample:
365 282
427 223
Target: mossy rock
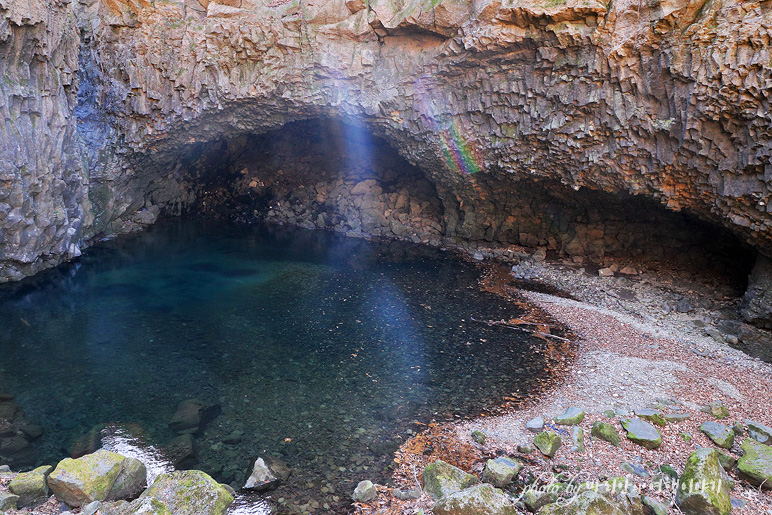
719 434
8 501
547 442
651 415
759 432
606 432
31 487
594 503
481 499
190 492
100 476
141 506
478 437
642 433
501 471
534 499
704 487
441 479
717 409
571 417
756 463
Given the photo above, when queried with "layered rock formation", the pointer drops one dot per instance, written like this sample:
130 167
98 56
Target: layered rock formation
667 100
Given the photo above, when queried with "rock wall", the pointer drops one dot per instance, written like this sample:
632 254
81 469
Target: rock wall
667 100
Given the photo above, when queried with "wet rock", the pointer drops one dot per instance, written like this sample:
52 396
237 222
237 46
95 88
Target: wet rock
755 465
717 409
703 488
31 487
606 432
547 442
8 501
189 492
364 492
100 476
266 473
479 499
500 472
651 415
182 451
535 425
191 416
720 434
441 479
642 433
571 417
759 432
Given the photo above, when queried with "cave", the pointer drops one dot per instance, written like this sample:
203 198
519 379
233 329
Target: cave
325 173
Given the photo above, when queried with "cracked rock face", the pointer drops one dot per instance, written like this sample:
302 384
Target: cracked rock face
107 103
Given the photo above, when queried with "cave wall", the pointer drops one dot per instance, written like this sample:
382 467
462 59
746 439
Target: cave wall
666 99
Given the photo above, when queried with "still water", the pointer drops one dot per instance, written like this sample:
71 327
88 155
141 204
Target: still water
321 350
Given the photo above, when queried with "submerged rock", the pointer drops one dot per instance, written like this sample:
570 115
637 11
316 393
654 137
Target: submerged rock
191 416
31 487
441 479
481 499
100 476
703 488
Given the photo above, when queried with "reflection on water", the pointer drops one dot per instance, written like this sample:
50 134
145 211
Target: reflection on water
320 350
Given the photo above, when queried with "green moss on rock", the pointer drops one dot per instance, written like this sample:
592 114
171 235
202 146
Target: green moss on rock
478 500
190 492
607 432
31 487
547 442
756 463
441 479
703 488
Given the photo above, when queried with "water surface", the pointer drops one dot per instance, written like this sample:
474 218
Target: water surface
322 350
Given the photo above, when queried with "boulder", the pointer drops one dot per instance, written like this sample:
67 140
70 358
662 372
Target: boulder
606 432
759 432
182 451
141 506
591 502
571 417
8 501
100 476
31 487
187 492
481 499
547 442
720 434
266 473
703 488
364 492
756 463
642 433
655 506
501 471
441 479
535 499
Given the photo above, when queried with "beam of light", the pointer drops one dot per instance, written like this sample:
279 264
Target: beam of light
459 151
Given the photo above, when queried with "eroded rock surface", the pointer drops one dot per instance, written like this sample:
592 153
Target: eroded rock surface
108 105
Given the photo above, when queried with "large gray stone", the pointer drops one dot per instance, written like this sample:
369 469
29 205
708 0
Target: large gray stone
441 479
720 434
642 433
364 492
500 471
31 487
100 476
571 417
481 499
759 432
188 492
703 488
591 502
8 502
755 465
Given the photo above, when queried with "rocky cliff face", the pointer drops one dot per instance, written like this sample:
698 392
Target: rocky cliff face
664 99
